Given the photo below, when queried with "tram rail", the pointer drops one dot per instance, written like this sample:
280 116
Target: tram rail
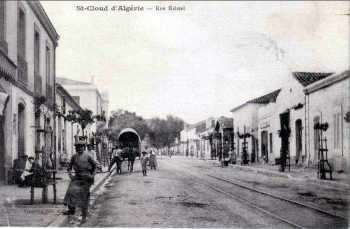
293 213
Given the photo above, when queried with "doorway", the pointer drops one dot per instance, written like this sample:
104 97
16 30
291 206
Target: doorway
284 135
264 146
316 138
254 153
21 130
298 140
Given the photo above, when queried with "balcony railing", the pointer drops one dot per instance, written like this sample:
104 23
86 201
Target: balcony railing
38 85
22 70
7 67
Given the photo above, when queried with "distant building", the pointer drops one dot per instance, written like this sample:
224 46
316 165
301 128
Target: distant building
206 142
87 95
28 44
204 139
189 139
246 121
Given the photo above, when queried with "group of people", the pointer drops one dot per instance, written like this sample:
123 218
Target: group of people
118 158
148 158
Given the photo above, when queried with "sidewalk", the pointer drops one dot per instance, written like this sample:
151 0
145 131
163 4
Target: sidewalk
15 208
340 180
297 173
300 185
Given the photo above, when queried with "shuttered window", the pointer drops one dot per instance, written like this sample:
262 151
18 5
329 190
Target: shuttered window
21 35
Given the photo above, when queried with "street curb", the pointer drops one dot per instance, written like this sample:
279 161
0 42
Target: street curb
330 183
62 220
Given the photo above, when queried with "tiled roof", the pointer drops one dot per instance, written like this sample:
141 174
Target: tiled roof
265 99
65 81
327 82
307 78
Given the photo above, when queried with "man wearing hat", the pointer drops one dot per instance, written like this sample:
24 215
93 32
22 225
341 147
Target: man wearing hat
78 192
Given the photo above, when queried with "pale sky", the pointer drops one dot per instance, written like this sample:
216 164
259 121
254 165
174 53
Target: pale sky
200 62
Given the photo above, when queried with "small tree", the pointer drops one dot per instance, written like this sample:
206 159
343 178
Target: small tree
83 117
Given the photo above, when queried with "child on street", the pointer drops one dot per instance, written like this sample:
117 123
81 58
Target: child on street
144 159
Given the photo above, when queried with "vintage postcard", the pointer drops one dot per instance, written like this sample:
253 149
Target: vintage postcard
174 114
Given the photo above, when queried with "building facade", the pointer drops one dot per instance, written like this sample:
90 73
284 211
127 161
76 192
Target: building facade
286 112
28 44
328 101
87 95
246 127
66 129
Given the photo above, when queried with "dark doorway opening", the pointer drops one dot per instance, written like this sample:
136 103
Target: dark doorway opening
284 135
21 130
264 146
298 140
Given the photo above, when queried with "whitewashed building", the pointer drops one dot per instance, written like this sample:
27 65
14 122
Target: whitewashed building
206 139
28 43
287 110
87 95
328 101
246 121
190 140
66 130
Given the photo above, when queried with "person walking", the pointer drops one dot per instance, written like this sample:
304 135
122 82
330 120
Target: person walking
144 159
116 159
131 159
153 160
78 192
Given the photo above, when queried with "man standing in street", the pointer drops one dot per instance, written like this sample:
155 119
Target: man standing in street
116 159
131 159
78 192
144 159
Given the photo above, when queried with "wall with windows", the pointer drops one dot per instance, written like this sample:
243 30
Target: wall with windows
268 122
329 104
89 98
28 135
25 34
66 130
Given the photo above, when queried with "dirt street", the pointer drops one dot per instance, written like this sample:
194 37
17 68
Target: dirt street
173 196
